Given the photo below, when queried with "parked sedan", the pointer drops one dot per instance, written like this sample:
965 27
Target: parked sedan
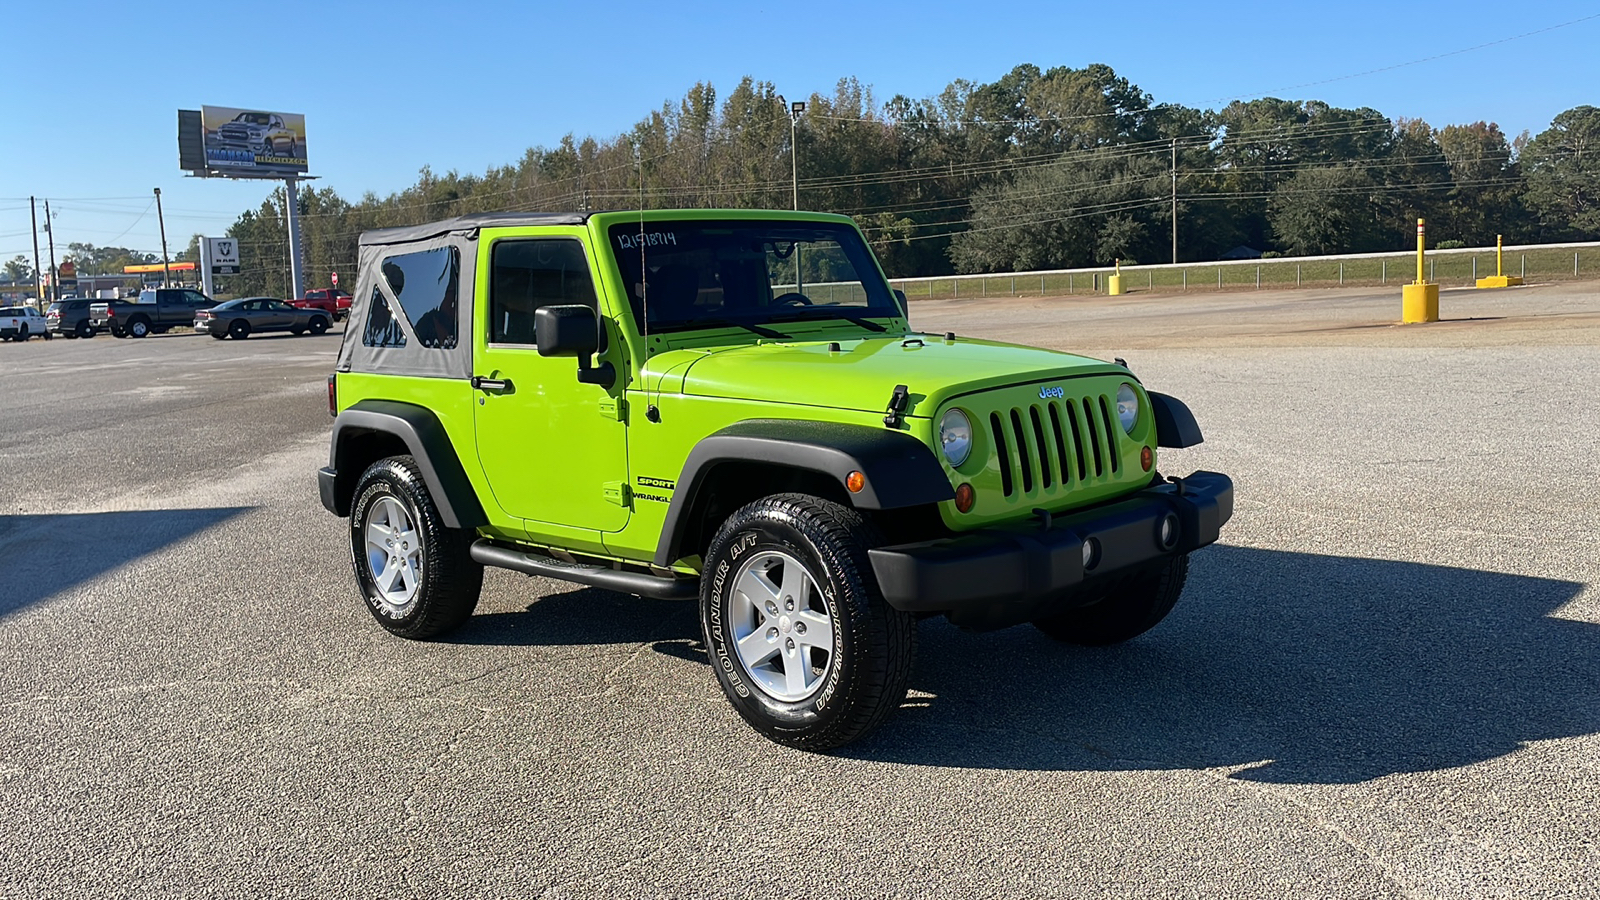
239 319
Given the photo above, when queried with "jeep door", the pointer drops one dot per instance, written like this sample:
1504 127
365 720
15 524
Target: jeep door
554 451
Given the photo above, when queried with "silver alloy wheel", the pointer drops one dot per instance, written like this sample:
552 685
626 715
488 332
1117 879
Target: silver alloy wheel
782 626
394 554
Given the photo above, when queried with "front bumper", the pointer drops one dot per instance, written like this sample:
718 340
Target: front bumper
1011 574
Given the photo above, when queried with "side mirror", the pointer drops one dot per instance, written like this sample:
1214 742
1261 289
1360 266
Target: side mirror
573 331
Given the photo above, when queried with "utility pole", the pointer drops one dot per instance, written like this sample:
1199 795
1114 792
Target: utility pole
166 268
1174 201
38 276
49 229
297 278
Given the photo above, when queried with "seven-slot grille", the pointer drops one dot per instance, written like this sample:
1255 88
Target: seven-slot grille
1054 443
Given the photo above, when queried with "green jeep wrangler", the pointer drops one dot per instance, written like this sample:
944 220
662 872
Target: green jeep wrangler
732 406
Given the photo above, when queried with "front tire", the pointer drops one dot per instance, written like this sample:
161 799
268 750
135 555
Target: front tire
1124 611
416 575
799 635
319 325
238 329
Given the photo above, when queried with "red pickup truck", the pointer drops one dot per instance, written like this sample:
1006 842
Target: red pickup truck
332 301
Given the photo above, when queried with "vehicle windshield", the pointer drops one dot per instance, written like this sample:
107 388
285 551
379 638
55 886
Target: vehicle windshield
694 274
251 118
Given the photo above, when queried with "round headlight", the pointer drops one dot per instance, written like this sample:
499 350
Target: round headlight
955 437
1127 407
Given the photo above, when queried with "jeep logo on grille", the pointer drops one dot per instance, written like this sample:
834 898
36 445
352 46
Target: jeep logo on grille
1045 393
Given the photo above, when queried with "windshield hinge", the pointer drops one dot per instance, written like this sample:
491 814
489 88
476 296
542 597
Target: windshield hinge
618 492
613 409
897 406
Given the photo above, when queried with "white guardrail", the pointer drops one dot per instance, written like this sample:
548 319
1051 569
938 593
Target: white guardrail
1399 263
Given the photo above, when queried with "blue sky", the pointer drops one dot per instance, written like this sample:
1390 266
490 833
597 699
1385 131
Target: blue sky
93 87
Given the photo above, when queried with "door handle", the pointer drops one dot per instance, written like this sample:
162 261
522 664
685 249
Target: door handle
491 384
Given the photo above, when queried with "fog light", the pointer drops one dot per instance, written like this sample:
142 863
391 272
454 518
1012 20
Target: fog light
855 481
1091 554
965 497
1147 458
1169 532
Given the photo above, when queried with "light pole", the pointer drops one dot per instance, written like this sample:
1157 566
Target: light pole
796 110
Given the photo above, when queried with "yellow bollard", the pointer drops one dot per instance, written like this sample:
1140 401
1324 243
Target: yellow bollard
1114 281
1419 302
1500 279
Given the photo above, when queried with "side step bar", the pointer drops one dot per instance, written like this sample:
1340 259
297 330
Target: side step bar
491 554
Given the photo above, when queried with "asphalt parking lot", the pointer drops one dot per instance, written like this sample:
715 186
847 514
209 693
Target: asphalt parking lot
1381 684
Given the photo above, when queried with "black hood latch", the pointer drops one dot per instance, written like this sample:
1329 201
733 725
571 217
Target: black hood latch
897 406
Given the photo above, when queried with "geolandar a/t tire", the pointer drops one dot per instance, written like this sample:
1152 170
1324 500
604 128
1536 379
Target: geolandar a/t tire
416 575
1124 611
799 635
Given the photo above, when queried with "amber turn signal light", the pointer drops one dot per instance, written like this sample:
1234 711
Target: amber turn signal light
965 497
855 481
1146 458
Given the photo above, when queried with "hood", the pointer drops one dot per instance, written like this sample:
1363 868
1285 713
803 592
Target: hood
863 373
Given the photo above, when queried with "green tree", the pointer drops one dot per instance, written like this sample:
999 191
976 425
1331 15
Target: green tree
1088 209
1485 196
1327 209
1562 166
19 270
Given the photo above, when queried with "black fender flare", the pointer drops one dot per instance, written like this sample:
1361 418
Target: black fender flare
425 438
900 471
1175 424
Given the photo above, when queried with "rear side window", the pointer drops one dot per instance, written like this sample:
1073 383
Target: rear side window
382 330
529 274
426 283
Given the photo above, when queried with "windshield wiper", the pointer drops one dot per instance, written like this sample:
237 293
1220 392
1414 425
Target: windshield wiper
730 323
868 324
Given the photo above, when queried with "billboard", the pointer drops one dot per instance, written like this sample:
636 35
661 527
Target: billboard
248 143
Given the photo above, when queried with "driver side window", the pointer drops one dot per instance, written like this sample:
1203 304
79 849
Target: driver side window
528 274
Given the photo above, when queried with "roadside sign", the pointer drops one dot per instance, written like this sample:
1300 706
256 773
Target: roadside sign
222 256
336 279
68 279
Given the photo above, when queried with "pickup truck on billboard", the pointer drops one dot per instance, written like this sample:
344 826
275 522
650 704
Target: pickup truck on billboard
254 139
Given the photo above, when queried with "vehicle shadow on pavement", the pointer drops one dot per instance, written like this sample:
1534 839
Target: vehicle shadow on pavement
1286 667
581 616
49 554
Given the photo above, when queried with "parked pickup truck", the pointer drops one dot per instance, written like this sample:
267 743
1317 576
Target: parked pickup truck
334 302
155 311
18 323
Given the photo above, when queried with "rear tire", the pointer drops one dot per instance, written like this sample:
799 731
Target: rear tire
1124 611
799 635
416 576
84 329
22 334
139 328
